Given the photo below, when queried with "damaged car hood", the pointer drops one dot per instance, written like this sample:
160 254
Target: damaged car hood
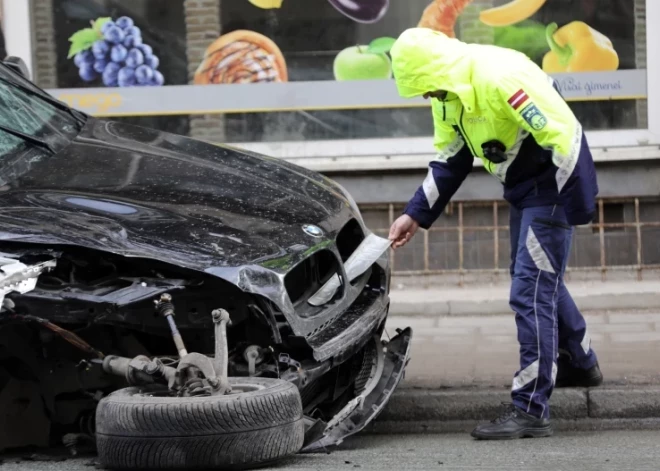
144 193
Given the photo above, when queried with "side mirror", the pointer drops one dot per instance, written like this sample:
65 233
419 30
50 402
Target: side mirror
17 65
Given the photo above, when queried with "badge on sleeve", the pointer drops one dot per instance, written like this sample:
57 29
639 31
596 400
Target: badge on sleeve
530 113
534 117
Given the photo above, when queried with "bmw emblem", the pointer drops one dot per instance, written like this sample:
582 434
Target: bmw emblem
314 231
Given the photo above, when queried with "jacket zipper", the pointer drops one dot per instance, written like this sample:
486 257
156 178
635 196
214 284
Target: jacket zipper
467 139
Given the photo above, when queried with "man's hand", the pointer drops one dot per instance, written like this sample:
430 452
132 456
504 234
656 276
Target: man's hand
402 231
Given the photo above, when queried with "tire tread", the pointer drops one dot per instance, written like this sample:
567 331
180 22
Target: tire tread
254 428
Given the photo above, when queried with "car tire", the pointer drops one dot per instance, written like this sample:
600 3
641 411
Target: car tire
259 423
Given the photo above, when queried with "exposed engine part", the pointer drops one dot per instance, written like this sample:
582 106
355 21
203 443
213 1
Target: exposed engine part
195 375
287 360
166 309
221 319
253 356
139 370
20 278
301 375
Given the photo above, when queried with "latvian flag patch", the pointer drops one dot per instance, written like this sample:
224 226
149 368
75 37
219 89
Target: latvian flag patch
518 98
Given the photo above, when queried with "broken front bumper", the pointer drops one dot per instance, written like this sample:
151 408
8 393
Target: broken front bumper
366 407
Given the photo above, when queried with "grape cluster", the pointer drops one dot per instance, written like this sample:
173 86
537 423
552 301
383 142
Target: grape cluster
120 57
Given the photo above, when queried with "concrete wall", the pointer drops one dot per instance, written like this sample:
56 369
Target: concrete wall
641 180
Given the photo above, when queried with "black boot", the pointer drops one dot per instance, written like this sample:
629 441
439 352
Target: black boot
513 423
569 376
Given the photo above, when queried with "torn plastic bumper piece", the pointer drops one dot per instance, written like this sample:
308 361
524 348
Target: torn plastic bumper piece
363 409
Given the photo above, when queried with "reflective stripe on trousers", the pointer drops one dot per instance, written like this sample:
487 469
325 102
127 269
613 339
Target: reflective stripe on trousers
546 316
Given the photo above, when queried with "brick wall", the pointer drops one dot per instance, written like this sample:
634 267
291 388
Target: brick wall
470 29
45 55
640 57
202 26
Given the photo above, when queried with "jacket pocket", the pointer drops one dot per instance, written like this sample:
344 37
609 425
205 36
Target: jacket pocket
551 223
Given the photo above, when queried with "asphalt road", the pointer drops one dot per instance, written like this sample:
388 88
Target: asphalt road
582 451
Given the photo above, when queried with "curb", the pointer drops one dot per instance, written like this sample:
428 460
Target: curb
432 411
499 306
381 427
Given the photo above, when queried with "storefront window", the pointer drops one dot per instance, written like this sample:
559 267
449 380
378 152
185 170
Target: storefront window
290 70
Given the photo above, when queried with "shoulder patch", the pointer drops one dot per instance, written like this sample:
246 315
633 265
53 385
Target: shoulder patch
534 117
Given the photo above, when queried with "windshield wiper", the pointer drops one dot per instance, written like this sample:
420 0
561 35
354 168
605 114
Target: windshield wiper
28 138
77 115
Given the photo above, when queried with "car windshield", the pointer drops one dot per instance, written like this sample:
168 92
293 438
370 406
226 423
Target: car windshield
32 121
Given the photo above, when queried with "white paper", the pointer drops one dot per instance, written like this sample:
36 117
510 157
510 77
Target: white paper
367 253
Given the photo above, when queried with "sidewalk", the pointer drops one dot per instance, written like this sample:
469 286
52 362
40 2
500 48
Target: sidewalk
487 299
465 353
466 337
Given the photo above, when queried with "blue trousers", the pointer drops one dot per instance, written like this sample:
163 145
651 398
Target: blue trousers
546 316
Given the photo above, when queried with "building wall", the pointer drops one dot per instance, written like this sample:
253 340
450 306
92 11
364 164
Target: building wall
471 29
45 57
474 236
640 57
479 230
202 27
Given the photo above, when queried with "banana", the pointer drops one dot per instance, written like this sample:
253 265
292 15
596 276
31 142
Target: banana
510 13
266 4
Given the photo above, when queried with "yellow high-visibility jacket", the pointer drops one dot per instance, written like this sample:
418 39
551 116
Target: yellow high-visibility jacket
494 94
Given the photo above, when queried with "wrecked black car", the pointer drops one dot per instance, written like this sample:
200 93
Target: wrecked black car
177 303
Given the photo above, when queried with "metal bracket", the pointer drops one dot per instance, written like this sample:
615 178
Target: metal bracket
287 360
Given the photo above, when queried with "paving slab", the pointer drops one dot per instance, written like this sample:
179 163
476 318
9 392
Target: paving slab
468 351
493 299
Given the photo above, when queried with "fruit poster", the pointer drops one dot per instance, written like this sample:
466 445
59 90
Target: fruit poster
343 40
119 44
114 53
320 67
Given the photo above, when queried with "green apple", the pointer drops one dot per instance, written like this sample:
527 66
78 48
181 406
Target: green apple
357 63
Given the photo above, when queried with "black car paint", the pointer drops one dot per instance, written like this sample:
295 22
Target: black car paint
233 214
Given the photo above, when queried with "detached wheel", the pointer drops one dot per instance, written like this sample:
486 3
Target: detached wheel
260 422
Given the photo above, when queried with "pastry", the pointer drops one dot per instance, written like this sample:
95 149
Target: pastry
242 56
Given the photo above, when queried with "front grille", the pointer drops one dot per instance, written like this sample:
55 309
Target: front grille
310 275
349 238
